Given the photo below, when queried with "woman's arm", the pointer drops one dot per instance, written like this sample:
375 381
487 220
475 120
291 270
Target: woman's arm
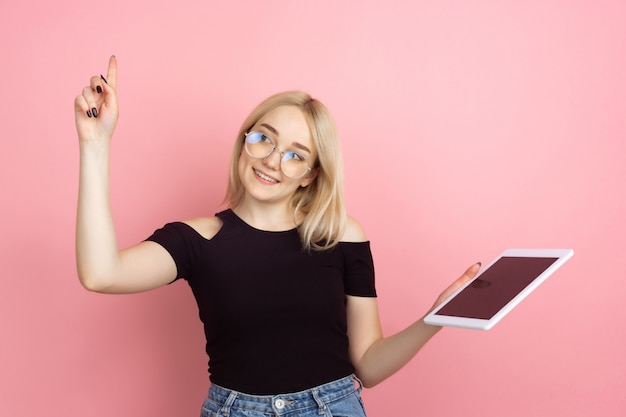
102 267
375 357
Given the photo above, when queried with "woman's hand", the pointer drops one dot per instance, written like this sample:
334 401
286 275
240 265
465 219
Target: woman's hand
96 109
467 275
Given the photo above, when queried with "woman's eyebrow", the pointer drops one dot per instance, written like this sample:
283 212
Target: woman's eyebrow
270 128
301 146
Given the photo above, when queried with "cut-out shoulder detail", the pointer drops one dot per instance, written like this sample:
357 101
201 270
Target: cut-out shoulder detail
354 232
207 227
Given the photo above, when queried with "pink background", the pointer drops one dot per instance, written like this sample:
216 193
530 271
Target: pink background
467 127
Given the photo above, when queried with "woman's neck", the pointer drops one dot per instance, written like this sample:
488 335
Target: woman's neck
269 217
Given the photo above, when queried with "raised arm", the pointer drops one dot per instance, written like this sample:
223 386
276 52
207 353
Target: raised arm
102 267
375 357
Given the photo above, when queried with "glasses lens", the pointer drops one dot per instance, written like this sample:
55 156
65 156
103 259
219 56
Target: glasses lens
258 145
293 165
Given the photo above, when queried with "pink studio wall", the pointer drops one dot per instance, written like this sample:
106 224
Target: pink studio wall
467 127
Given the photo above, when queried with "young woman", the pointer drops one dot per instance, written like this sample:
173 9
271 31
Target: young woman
284 279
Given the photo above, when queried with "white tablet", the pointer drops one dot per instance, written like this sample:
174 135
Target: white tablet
498 288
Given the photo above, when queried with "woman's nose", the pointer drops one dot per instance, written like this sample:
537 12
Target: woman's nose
273 159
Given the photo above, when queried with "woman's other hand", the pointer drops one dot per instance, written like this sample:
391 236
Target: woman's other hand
462 280
96 109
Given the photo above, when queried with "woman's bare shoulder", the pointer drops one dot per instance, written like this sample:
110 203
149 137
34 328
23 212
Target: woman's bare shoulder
207 227
354 231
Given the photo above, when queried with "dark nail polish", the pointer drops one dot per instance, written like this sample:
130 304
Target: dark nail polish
103 79
99 89
88 113
479 263
94 111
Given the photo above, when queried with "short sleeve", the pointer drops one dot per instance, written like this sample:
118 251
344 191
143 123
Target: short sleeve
359 277
177 239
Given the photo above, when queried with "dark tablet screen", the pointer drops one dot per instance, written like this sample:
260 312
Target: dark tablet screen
495 287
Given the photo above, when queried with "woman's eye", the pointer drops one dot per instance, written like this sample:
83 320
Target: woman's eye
266 139
294 156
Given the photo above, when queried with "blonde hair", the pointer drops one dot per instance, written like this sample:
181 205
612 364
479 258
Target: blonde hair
322 202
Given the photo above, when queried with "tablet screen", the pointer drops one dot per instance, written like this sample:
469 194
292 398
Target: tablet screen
497 285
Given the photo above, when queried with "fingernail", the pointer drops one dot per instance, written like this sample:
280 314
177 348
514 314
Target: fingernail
103 79
94 111
479 263
88 113
99 89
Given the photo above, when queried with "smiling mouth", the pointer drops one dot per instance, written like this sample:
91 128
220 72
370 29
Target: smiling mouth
264 177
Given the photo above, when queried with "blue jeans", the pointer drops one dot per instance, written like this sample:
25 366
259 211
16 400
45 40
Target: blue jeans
339 398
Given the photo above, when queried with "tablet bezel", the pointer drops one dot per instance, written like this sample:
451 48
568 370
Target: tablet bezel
562 256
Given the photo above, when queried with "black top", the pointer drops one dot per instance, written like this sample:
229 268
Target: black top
274 314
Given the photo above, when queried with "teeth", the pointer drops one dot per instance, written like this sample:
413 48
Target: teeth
265 177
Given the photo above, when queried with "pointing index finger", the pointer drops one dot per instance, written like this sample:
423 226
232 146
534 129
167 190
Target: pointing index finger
112 71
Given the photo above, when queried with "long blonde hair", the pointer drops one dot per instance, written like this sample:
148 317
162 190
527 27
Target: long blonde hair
322 202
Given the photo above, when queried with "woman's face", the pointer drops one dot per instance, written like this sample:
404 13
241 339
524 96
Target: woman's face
263 179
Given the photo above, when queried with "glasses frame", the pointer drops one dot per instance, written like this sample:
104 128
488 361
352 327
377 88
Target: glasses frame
274 148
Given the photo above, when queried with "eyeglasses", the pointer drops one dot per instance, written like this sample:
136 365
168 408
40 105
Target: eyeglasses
260 146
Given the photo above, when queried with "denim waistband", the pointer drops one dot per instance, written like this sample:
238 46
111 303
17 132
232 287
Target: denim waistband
285 403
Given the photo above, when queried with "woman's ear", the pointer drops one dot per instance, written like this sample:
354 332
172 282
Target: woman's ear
309 178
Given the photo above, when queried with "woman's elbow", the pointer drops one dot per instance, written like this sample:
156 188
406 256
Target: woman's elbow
368 381
93 282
